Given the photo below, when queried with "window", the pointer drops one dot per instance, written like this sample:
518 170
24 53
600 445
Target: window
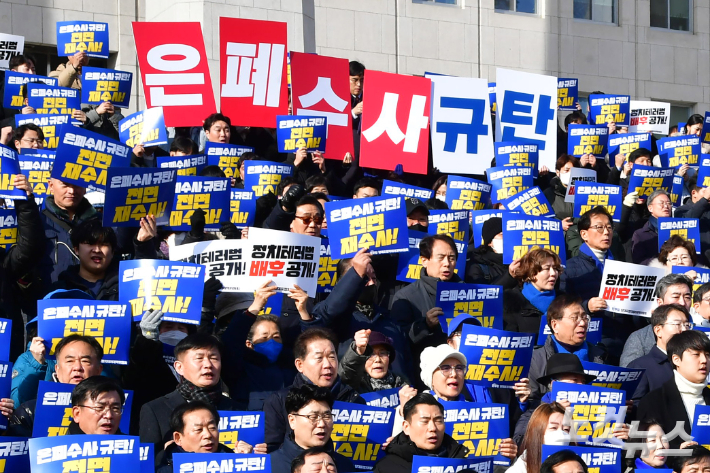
679 114
520 6
671 14
445 2
595 10
47 59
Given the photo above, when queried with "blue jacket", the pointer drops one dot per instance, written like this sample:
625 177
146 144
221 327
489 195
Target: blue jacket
26 375
658 371
281 459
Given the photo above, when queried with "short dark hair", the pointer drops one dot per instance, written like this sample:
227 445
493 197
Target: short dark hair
436 204
688 340
22 129
426 246
300 460
698 453
212 171
299 397
692 183
700 292
19 60
316 181
215 117
92 232
562 456
320 196
676 241
247 156
92 387
285 182
671 280
75 337
556 309
639 153
177 418
198 341
660 313
300 347
259 320
183 144
310 200
564 159
410 407
366 182
574 116
343 266
356 68
585 221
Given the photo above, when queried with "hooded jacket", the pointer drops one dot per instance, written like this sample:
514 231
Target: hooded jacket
401 452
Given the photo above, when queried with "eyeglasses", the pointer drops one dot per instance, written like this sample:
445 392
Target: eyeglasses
678 259
446 369
315 417
666 203
381 354
102 409
32 140
307 219
601 228
685 325
578 318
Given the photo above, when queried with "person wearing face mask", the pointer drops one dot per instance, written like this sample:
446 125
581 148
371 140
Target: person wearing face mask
524 305
352 306
366 365
439 188
150 373
417 214
555 194
546 427
484 264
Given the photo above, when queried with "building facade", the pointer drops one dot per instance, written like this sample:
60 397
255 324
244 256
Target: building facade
649 49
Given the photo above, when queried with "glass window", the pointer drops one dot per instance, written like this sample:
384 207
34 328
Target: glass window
595 10
671 14
520 6
445 2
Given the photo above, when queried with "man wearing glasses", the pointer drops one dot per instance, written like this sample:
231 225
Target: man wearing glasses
667 321
97 406
644 242
701 305
671 289
311 421
308 219
28 136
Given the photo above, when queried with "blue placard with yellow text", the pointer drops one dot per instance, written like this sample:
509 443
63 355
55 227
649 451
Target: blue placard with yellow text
614 377
701 425
588 196
477 221
597 460
235 426
8 233
587 139
224 462
184 165
108 322
525 232
702 275
14 455
146 127
463 193
377 223
50 125
676 151
15 82
605 109
646 179
454 223
134 193
37 169
567 94
481 427
52 100
210 194
626 143
105 85
147 458
242 208
85 453
83 158
531 202
171 286
688 228
5 387
327 267
508 181
263 177
296 132
382 398
405 190
5 337
705 133
517 153
226 157
9 168
82 36
480 301
359 432
436 464
676 195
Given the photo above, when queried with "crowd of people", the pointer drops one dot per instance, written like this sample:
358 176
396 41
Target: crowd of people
372 332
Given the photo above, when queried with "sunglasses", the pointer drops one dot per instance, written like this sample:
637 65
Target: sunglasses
307 219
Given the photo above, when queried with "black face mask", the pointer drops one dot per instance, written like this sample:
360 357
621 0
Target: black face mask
369 295
418 227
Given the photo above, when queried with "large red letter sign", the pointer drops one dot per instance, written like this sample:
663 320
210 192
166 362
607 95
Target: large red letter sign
395 122
252 71
319 87
174 70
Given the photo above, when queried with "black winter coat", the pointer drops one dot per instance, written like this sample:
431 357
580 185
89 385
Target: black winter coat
519 315
484 266
281 459
658 371
401 452
166 465
276 424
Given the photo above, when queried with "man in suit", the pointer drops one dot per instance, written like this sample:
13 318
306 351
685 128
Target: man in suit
667 321
357 78
676 399
198 361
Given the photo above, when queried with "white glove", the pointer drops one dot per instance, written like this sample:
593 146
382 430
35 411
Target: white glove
631 199
150 323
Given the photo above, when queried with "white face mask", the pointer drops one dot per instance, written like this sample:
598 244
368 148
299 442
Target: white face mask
441 197
172 337
556 437
497 245
564 178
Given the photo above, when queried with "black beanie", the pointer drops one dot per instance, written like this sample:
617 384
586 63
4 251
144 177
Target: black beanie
491 227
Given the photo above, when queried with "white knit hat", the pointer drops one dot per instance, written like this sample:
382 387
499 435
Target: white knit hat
432 357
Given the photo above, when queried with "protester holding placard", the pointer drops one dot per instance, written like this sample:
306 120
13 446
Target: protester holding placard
536 274
569 323
688 352
667 321
640 156
644 242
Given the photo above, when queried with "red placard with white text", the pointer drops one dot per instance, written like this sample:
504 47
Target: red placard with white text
395 122
174 71
319 86
252 71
